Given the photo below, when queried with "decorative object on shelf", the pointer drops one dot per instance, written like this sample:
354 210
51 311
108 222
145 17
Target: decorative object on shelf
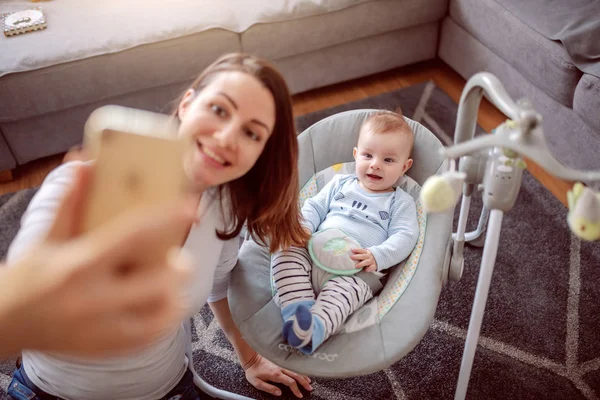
23 21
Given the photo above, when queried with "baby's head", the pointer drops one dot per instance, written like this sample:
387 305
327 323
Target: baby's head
383 151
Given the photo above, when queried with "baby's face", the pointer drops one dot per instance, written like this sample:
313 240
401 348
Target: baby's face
381 158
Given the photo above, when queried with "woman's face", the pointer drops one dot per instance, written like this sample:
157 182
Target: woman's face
228 123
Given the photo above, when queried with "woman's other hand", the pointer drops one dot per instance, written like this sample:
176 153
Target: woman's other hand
260 371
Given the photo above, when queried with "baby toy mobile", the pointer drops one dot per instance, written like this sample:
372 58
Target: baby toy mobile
494 163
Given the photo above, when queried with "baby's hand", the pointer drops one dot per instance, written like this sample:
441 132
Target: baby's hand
364 260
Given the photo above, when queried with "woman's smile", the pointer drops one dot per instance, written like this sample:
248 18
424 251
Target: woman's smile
212 156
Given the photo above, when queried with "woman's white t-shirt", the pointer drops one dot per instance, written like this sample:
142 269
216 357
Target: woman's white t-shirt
148 374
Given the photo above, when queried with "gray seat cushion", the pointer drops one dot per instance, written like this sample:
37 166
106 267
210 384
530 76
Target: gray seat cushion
106 76
329 29
544 62
587 100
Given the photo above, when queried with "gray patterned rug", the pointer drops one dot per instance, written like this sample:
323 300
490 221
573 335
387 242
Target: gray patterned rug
541 331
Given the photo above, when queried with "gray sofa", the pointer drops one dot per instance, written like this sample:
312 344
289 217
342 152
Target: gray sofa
314 42
547 51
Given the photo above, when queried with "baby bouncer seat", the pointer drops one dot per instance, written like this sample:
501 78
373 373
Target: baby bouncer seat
392 323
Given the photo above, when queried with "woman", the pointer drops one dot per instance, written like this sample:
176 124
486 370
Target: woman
238 116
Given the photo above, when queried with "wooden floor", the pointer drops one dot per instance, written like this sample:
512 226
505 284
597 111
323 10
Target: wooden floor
443 76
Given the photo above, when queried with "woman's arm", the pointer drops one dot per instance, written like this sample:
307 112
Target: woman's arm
243 351
42 209
258 370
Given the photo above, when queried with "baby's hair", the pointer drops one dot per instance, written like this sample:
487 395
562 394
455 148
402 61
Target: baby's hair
386 121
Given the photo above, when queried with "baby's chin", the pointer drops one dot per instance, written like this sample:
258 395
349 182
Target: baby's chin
383 189
377 187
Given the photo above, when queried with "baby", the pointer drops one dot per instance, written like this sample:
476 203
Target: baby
369 209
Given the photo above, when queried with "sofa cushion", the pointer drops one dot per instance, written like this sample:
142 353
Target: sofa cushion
100 27
116 47
571 140
573 22
544 62
301 35
377 53
67 85
53 133
587 100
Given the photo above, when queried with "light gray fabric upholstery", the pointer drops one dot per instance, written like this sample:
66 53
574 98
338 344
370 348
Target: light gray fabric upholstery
544 62
371 349
53 133
575 23
571 140
587 100
325 30
95 28
90 80
359 57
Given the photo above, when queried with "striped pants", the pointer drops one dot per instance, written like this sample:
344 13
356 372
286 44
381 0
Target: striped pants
339 297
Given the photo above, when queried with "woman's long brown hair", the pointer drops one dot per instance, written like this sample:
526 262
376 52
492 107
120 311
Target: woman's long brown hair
267 196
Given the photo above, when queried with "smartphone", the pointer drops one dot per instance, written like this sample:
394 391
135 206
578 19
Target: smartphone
126 120
138 162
